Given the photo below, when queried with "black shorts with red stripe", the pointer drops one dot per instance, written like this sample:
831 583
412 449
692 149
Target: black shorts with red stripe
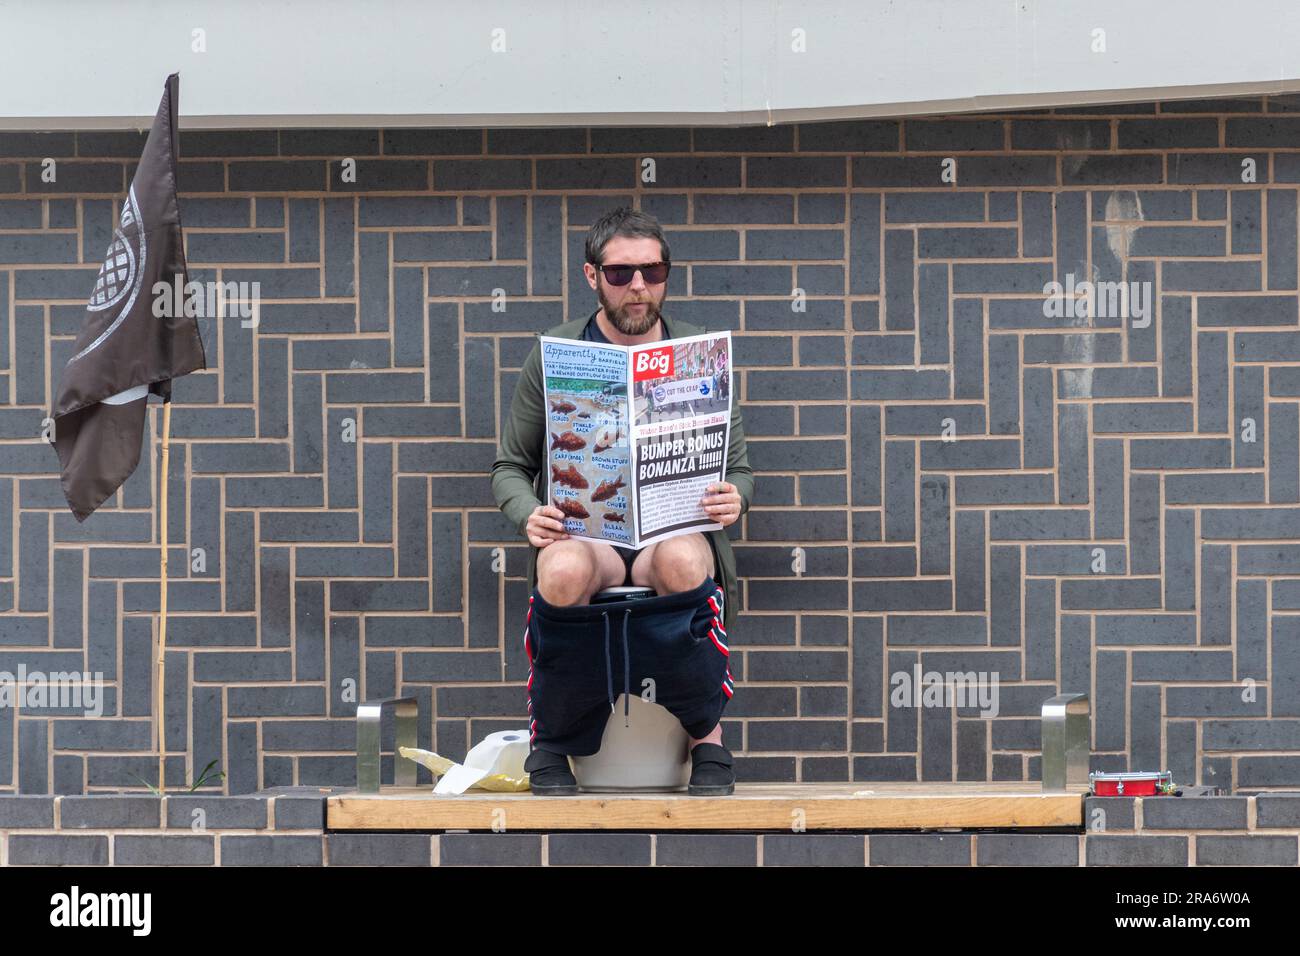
670 649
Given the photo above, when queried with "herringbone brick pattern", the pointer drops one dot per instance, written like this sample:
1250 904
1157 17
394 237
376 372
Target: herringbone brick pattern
953 474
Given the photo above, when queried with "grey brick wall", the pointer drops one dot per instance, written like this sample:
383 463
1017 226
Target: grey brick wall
1108 504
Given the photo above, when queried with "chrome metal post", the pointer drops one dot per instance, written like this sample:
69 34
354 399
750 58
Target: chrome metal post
406 712
1066 743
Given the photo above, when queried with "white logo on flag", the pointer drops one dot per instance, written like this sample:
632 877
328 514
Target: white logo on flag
122 273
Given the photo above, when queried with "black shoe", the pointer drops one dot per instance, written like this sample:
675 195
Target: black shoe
711 774
549 774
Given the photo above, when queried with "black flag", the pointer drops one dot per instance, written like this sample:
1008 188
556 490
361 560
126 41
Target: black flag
127 349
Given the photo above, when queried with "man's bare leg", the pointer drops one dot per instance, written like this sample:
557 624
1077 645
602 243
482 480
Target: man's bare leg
572 571
672 565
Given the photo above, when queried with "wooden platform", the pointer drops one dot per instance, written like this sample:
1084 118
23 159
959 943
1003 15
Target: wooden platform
777 807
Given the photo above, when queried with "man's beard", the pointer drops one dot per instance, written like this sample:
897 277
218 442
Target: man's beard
627 321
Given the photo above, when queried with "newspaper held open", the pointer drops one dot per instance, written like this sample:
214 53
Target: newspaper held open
636 434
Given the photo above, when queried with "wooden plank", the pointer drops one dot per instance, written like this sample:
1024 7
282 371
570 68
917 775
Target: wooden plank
777 807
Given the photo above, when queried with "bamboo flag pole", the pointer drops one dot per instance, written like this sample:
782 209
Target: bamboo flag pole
162 596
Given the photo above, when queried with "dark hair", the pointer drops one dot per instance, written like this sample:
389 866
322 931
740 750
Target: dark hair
628 222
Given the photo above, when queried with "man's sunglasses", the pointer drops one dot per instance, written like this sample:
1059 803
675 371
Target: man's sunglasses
653 273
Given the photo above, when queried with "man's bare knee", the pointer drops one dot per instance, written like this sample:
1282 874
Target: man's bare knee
679 564
565 573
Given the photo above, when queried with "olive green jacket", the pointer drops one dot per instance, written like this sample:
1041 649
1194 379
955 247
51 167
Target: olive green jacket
518 480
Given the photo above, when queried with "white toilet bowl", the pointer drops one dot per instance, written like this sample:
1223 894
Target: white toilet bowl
653 753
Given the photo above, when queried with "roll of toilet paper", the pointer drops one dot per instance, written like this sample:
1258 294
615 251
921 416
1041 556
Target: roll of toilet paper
498 755
496 763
